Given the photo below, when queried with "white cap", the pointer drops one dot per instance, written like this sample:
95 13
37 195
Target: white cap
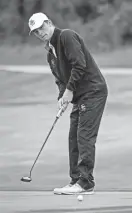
36 21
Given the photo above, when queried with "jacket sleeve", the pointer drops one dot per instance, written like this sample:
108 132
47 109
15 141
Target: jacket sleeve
75 56
61 86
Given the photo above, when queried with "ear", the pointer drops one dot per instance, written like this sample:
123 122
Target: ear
50 22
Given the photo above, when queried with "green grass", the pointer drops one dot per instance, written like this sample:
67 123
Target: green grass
36 55
27 110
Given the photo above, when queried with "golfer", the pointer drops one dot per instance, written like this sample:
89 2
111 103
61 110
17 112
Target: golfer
81 83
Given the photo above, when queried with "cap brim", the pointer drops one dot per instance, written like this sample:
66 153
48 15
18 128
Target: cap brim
33 30
30 32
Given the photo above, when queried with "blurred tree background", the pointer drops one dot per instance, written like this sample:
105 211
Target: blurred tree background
104 24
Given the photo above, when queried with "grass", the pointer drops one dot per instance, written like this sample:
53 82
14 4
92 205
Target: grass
28 107
36 55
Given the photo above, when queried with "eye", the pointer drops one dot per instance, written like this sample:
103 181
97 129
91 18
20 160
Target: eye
35 31
41 27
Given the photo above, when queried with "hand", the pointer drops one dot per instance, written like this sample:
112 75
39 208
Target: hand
65 100
67 97
62 109
64 106
60 103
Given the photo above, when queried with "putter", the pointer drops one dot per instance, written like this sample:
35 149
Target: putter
28 178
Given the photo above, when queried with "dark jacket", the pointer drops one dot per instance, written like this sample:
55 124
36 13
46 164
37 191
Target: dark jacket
74 68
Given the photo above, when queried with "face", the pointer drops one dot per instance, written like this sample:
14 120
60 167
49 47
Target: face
44 32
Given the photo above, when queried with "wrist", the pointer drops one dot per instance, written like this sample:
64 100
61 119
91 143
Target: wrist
67 90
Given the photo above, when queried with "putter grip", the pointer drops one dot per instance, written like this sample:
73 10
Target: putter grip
60 112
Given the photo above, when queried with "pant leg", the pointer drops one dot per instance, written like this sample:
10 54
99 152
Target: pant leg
73 146
90 114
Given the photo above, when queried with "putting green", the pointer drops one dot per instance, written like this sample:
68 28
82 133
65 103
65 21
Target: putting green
46 202
28 107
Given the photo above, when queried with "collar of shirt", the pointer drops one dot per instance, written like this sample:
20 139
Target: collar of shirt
53 49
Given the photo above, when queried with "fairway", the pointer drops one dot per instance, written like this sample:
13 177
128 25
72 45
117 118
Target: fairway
28 106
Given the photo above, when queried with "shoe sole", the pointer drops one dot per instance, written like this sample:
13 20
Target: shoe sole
78 193
57 193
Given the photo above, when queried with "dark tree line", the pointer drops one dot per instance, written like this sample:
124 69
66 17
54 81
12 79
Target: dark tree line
102 19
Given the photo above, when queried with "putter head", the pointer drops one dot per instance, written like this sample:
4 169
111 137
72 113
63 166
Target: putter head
26 179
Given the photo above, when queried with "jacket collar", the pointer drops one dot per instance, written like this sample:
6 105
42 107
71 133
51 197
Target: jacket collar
55 37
